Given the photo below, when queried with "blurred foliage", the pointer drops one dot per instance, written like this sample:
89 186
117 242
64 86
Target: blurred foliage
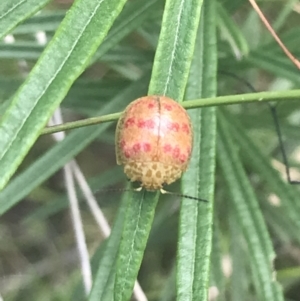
38 259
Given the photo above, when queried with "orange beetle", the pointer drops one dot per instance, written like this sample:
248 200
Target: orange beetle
154 141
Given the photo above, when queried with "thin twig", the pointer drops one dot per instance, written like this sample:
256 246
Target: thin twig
273 33
75 213
138 292
91 201
78 230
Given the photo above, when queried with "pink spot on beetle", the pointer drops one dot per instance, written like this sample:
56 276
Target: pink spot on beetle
167 107
173 126
122 144
127 153
176 152
136 147
185 128
149 123
167 148
182 158
146 147
129 122
151 105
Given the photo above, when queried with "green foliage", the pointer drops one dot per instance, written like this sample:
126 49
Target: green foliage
99 56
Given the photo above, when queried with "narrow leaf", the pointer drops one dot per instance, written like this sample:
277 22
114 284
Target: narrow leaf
175 48
62 62
12 12
169 77
288 194
249 217
232 33
195 232
137 225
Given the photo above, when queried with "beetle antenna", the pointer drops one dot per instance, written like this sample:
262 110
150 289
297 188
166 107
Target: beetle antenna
274 114
162 191
245 82
183 195
281 146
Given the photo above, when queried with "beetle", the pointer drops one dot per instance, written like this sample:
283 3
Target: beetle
154 141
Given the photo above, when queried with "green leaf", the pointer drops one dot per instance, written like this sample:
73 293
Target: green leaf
13 12
135 232
275 63
232 33
64 151
47 21
240 285
62 62
288 194
249 217
32 51
176 42
85 96
283 15
21 50
218 279
133 15
105 273
169 77
195 232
